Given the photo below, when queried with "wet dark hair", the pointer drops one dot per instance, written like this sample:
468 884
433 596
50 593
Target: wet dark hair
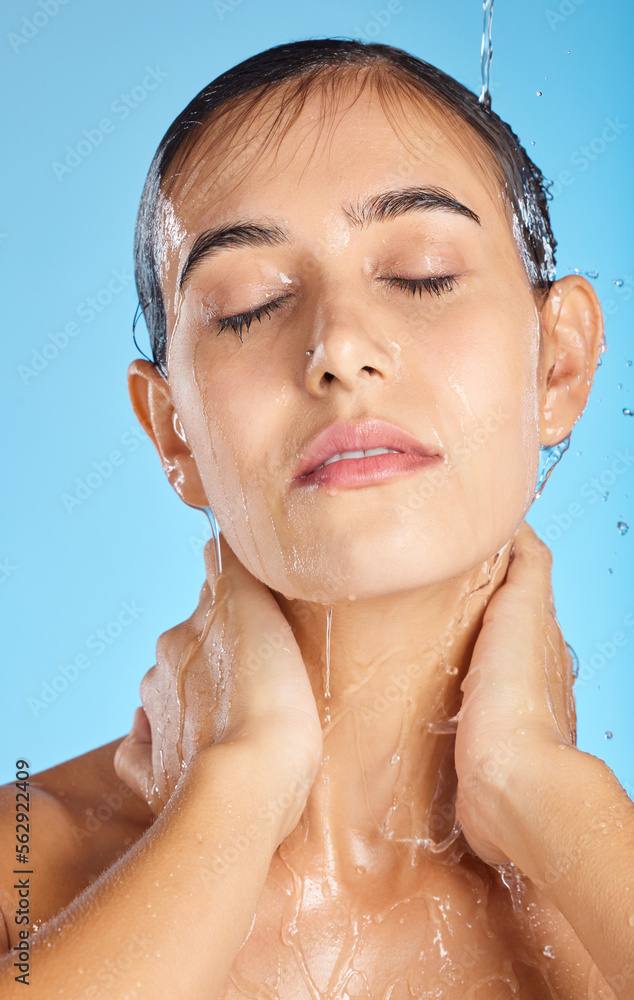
316 63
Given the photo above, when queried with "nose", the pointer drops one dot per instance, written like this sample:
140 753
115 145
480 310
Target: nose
348 347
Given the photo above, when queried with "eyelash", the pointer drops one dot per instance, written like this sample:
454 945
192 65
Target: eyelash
435 285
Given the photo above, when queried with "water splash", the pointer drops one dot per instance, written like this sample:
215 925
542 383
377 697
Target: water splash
548 458
485 54
436 848
623 527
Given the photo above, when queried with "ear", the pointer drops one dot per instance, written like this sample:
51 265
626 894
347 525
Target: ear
572 338
152 403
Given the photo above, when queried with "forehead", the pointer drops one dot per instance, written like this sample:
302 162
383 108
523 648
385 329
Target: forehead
272 158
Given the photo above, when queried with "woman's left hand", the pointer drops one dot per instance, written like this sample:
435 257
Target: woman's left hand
518 696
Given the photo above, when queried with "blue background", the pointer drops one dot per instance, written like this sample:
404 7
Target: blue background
67 570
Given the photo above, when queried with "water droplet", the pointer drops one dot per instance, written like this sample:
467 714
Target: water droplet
549 951
623 527
360 869
325 889
628 363
606 495
610 570
619 385
539 93
394 759
521 732
618 282
608 735
532 142
627 412
592 274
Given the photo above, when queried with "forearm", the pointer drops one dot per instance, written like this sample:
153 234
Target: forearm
169 918
570 829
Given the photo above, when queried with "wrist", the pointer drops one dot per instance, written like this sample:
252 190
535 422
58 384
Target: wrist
542 779
268 784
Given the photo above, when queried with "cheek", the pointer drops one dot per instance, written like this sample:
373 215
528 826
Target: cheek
237 418
491 383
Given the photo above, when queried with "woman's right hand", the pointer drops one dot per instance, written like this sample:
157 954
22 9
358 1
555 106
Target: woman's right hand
231 672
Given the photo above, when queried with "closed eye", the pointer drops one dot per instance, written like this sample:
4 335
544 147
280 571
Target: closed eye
436 285
237 322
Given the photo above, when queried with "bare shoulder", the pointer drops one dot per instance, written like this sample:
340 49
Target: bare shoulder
80 818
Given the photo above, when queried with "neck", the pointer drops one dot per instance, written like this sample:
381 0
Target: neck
386 675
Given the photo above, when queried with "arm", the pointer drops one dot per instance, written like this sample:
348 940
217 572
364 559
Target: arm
570 829
168 919
526 794
228 783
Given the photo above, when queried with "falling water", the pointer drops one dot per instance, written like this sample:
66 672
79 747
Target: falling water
486 53
215 530
328 631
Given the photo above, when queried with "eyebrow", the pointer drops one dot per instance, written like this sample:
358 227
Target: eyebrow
375 208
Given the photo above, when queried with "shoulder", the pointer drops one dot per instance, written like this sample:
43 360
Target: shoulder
79 818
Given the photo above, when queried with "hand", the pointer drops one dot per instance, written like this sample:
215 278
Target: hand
232 671
517 696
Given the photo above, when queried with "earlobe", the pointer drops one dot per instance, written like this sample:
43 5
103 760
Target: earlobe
152 403
572 328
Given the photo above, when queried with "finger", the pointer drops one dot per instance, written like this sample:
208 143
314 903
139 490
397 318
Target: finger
237 580
533 573
530 565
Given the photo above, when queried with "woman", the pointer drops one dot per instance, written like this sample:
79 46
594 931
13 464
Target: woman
359 753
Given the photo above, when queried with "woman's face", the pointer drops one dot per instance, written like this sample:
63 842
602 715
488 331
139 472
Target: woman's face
456 364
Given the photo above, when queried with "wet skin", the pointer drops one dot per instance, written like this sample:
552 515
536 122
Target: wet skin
483 375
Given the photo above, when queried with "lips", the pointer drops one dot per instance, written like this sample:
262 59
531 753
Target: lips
366 436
